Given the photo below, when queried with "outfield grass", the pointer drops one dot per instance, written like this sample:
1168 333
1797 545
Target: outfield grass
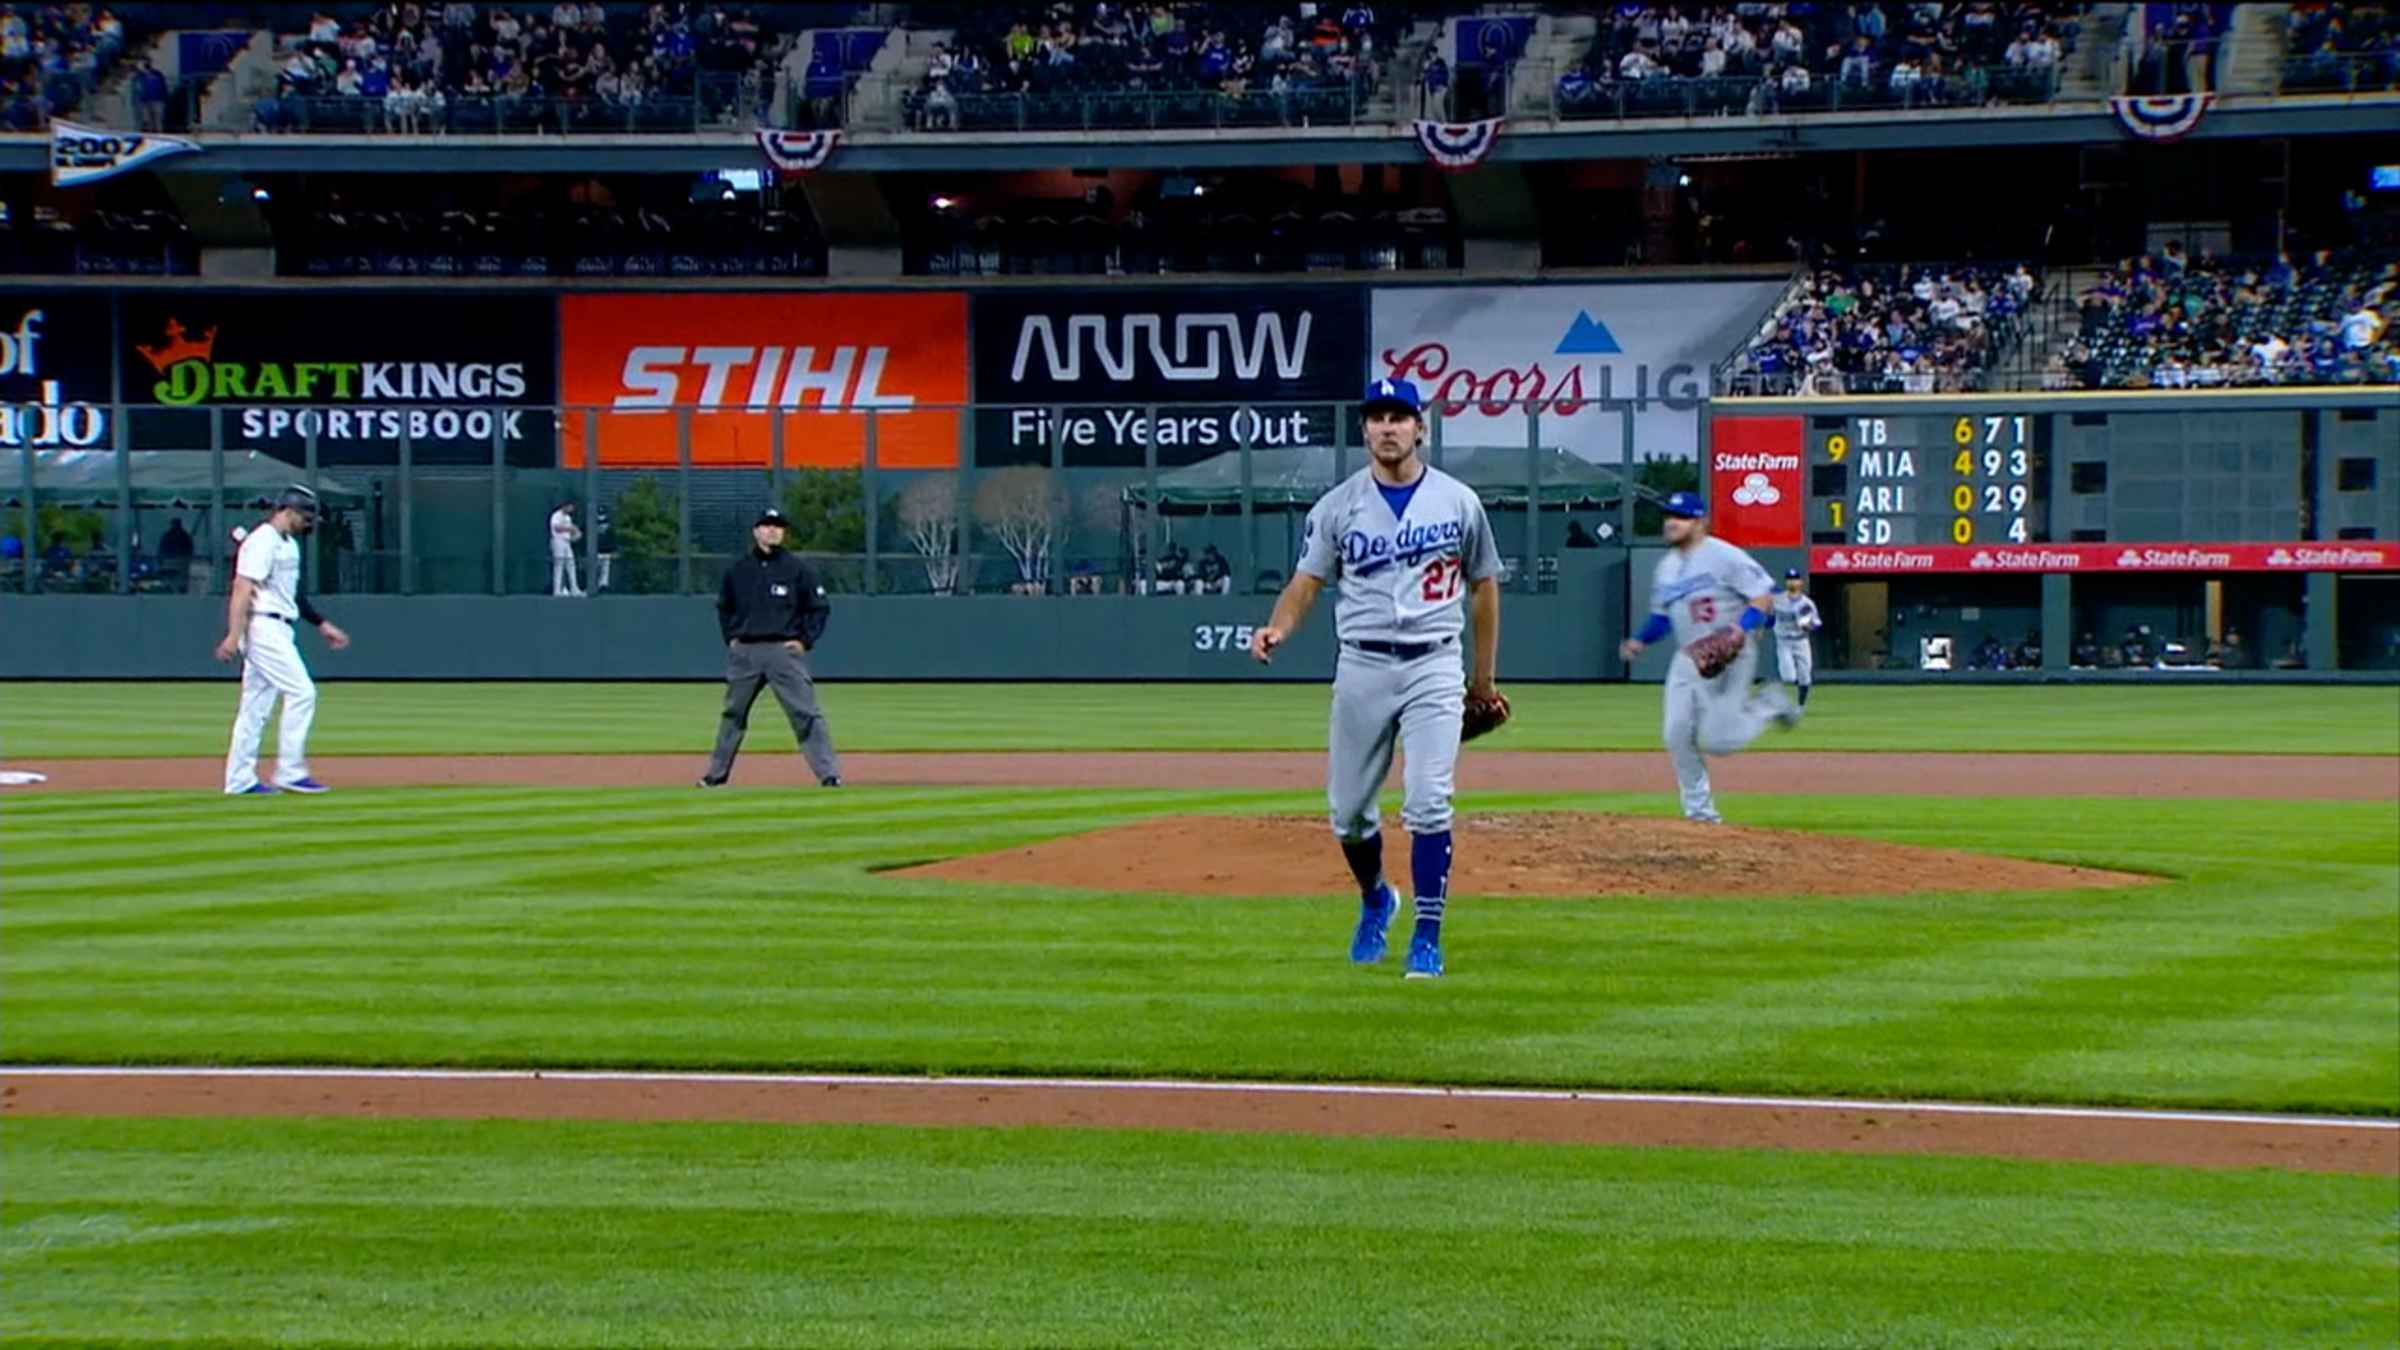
446 1233
45 720
646 927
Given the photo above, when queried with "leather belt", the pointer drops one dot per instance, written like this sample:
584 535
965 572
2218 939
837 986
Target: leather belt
1404 651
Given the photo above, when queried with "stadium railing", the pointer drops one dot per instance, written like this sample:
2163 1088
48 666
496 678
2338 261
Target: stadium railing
430 517
1095 110
2341 72
707 101
1723 96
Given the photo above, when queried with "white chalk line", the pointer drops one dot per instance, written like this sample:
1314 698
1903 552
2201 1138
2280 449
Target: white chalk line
1206 1087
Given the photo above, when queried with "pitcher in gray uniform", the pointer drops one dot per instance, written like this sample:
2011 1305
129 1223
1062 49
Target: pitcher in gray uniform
1407 549
1703 585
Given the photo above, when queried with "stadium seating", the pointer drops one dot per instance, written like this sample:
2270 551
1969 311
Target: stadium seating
574 232
1213 65
1888 329
54 56
621 67
2168 321
2341 47
1670 61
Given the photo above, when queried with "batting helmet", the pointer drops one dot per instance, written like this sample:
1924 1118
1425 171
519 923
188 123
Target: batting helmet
297 498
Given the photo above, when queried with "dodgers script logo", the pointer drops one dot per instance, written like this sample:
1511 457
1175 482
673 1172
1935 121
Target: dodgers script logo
1410 544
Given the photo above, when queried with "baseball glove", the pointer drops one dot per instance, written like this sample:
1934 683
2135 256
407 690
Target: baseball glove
1483 715
1716 651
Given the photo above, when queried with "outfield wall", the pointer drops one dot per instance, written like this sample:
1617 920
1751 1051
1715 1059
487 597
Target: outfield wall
1569 634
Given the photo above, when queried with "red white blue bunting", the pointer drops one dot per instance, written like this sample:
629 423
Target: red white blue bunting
2161 117
1458 145
799 151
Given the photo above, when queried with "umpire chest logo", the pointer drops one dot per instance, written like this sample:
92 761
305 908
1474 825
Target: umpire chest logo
779 590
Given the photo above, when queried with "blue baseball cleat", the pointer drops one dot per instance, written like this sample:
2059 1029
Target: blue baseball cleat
1368 944
308 785
256 790
1424 958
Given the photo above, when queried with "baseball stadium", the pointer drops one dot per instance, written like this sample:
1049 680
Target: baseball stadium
722 673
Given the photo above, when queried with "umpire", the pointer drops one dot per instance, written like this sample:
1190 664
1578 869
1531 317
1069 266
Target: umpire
772 609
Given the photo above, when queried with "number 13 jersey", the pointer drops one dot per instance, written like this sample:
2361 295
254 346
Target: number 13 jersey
1705 587
1399 578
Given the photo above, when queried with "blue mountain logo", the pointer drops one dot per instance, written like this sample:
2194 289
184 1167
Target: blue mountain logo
1588 336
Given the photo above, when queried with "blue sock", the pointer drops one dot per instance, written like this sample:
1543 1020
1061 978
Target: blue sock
1429 868
1365 857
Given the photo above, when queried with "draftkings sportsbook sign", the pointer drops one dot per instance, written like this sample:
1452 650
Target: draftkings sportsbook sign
357 371
1224 368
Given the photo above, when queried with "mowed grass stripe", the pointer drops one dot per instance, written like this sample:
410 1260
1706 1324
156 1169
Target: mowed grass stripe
503 1233
674 929
57 720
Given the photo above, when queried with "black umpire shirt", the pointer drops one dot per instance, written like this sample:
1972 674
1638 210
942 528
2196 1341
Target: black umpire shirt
772 597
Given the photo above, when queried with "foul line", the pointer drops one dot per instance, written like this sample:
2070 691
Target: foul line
1206 1087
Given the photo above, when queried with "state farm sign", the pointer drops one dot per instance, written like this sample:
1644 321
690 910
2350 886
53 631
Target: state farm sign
821 362
2347 556
1754 486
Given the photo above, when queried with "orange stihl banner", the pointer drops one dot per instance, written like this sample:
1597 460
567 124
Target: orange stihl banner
819 361
2348 555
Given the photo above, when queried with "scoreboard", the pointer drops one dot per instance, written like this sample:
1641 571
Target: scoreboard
1955 478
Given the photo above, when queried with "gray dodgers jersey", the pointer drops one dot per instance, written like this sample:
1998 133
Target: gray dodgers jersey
1705 587
1795 617
1399 580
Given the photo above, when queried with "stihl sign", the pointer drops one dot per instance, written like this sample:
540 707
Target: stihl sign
2345 556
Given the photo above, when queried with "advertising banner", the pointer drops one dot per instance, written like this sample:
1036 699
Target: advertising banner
356 369
2344 556
54 370
740 361
1262 367
1484 352
1754 485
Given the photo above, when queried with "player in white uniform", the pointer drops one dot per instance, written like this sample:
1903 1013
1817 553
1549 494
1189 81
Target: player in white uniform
1703 586
266 602
1402 543
1796 624
563 534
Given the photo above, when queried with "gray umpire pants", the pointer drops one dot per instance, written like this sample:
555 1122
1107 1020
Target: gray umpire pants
748 667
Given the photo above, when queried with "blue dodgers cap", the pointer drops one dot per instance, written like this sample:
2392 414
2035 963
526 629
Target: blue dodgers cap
1687 505
1388 393
1791 574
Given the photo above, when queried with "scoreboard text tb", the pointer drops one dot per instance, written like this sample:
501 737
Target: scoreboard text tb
1910 478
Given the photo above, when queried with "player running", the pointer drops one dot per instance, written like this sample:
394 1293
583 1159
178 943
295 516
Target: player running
266 602
1401 542
1696 592
1796 623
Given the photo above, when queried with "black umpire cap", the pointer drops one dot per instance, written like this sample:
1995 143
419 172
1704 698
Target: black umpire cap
772 516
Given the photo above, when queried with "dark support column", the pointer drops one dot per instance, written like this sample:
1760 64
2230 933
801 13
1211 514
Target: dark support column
2320 623
2058 619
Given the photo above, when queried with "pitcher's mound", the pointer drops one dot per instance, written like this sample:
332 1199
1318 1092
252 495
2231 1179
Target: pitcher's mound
1532 853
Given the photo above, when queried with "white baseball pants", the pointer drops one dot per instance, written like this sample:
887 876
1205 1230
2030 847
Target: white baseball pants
271 669
1795 662
563 580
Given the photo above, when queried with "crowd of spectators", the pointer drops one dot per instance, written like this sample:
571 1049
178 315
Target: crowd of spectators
1293 54
2342 47
411 67
1905 329
2174 321
1761 59
51 56
2181 47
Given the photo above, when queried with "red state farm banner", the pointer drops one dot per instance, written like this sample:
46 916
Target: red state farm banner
1755 494
2362 555
818 359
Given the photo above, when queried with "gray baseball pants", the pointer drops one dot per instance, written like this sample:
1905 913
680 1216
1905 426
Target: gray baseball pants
1712 717
1382 704
750 666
